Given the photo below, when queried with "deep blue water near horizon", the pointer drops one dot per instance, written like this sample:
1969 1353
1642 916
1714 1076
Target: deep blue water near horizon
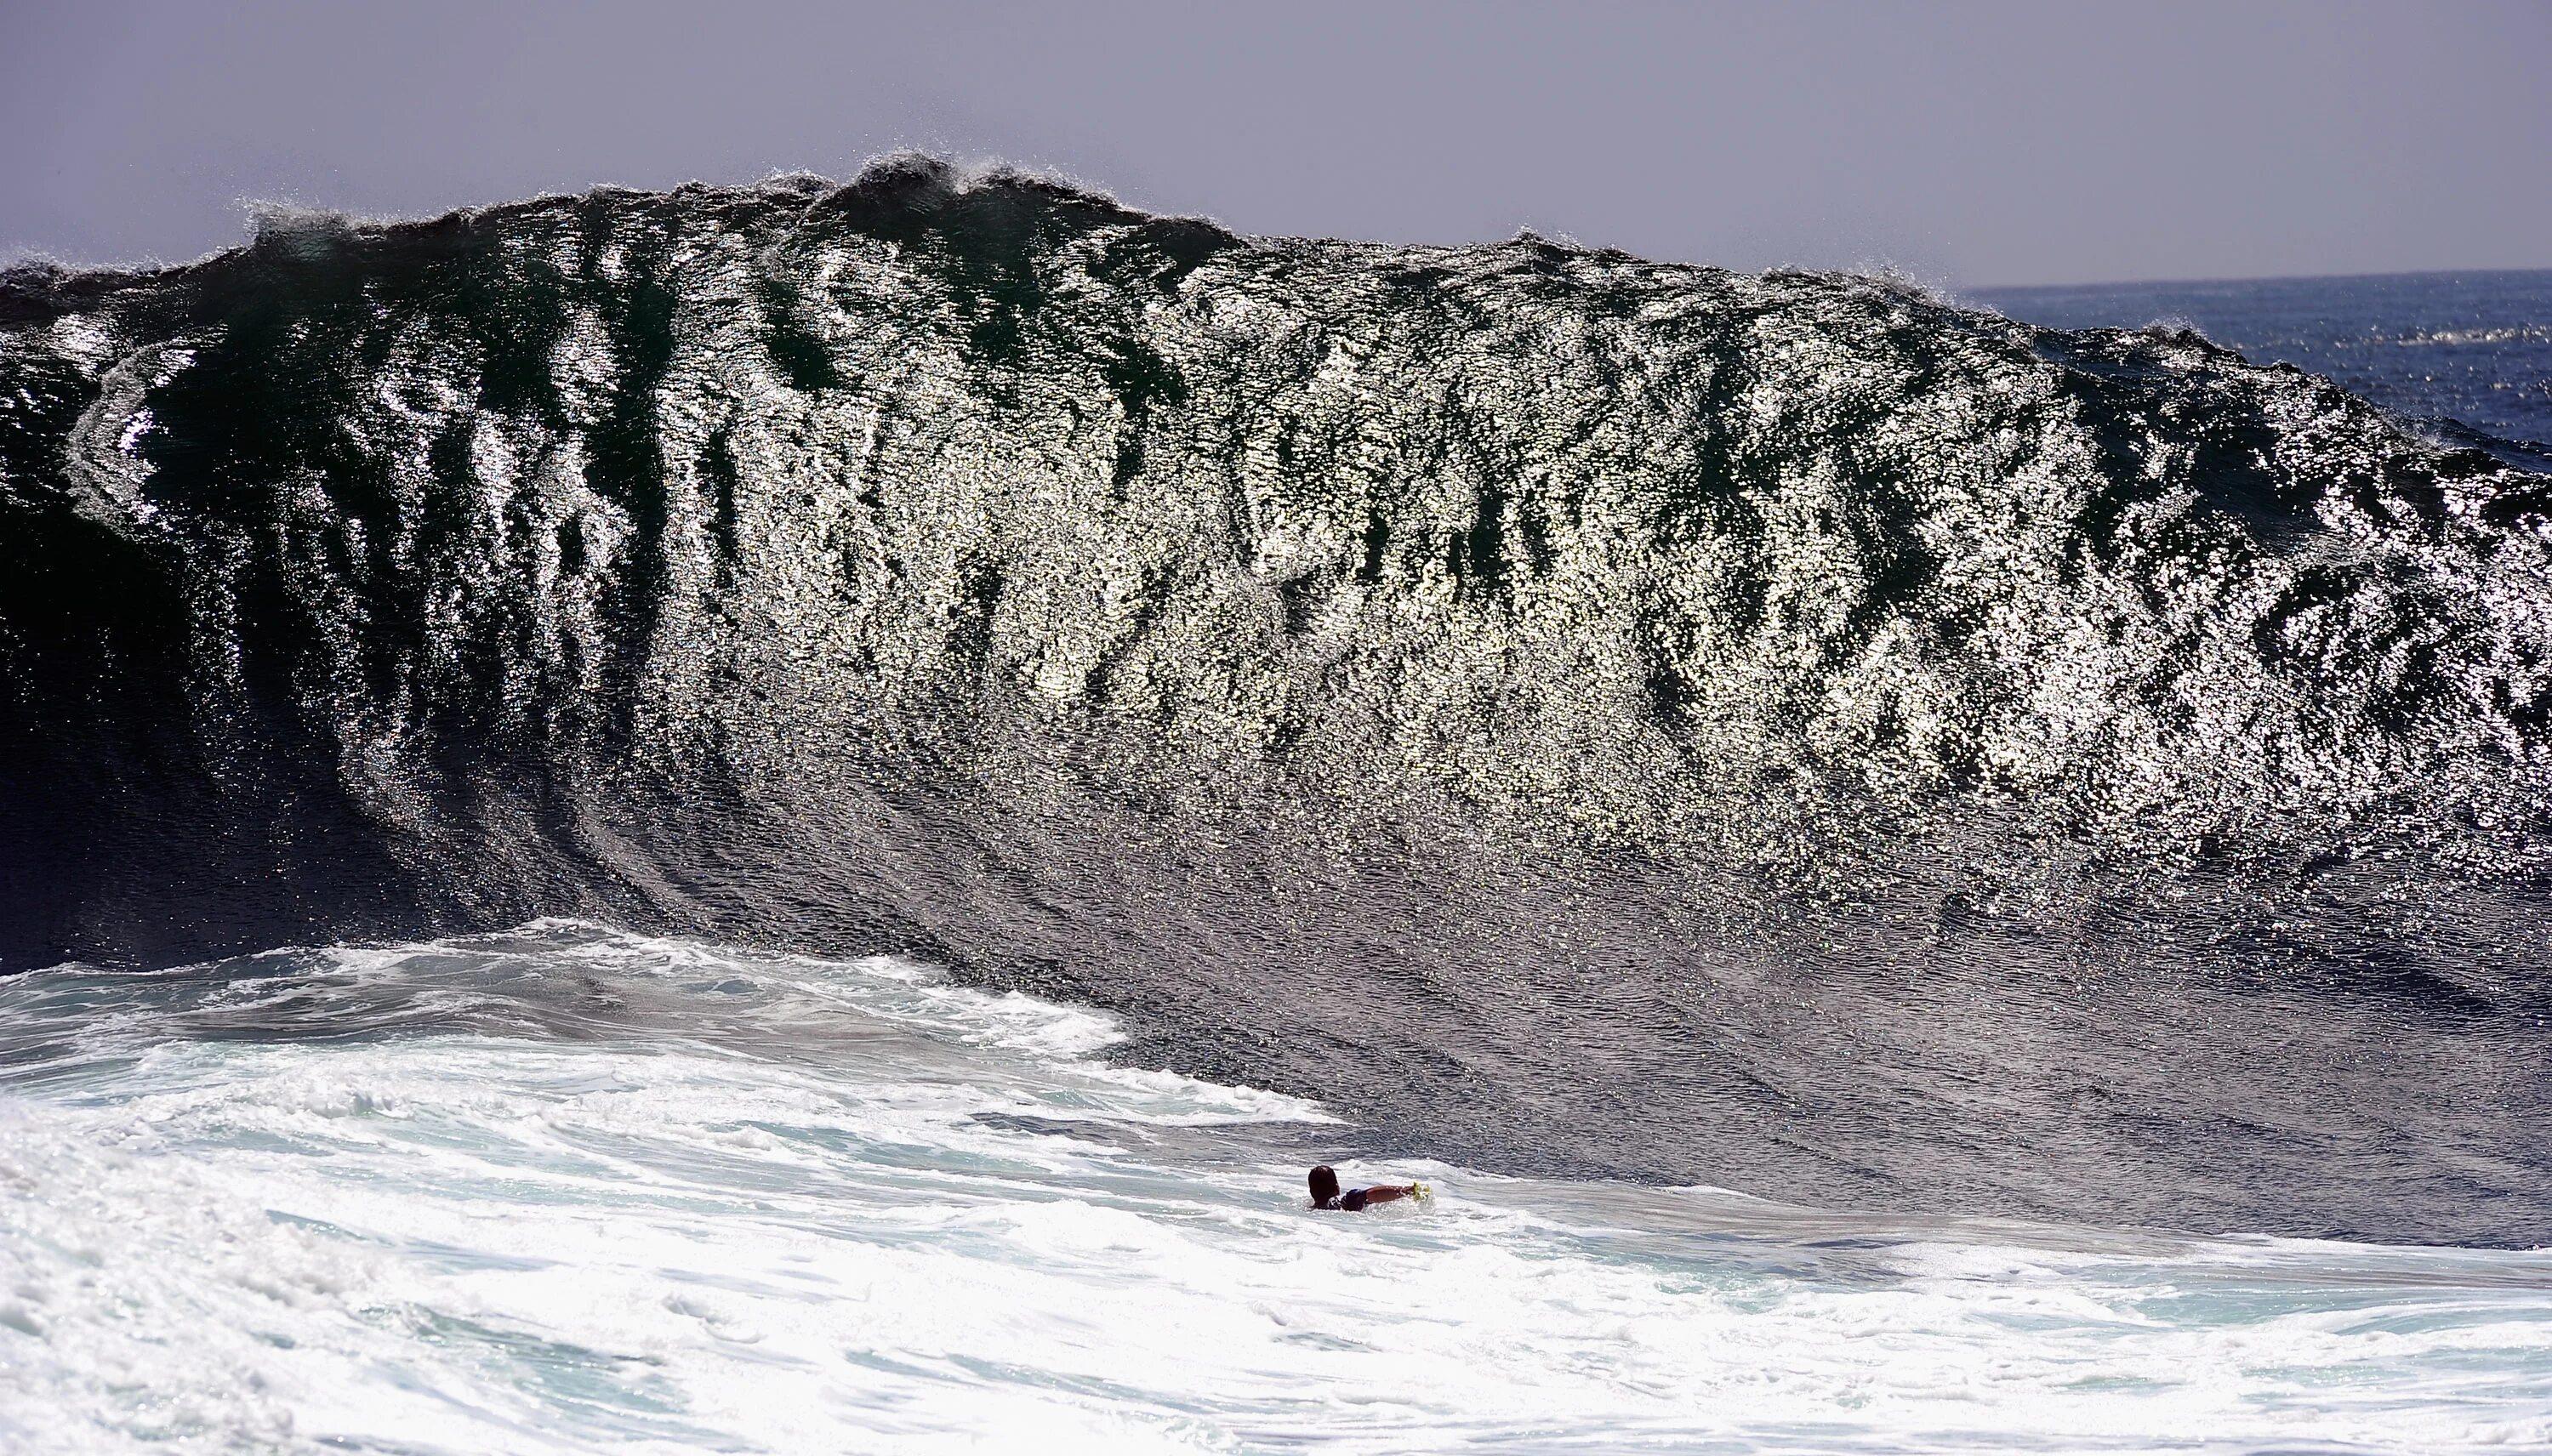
717 474
2474 347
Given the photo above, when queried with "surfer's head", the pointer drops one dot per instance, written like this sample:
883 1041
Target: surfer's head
1324 1183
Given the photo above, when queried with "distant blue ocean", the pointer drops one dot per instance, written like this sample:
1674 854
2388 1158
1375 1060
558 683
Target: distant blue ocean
2475 348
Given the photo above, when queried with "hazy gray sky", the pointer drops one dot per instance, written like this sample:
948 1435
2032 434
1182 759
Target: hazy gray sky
1971 142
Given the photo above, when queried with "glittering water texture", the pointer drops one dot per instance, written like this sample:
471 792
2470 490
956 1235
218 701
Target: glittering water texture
566 1190
1575 716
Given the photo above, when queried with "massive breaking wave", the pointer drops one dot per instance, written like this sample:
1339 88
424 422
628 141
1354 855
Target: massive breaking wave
1576 714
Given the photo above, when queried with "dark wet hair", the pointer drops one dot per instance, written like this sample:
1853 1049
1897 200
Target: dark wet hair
1324 1183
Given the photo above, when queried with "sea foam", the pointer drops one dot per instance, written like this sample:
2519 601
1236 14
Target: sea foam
571 1190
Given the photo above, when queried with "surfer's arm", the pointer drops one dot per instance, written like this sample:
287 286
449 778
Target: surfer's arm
1384 1193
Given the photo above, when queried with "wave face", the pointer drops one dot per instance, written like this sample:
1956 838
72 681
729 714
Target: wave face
1579 715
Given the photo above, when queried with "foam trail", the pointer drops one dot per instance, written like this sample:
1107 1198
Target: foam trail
571 1190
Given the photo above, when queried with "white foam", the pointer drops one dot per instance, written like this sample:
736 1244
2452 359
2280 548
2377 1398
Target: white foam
455 1241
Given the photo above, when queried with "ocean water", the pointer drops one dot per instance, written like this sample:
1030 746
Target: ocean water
866 773
2475 348
570 1189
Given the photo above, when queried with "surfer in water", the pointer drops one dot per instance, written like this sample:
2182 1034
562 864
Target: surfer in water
1326 1194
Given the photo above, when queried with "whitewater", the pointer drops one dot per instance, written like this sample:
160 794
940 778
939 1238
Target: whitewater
565 1189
